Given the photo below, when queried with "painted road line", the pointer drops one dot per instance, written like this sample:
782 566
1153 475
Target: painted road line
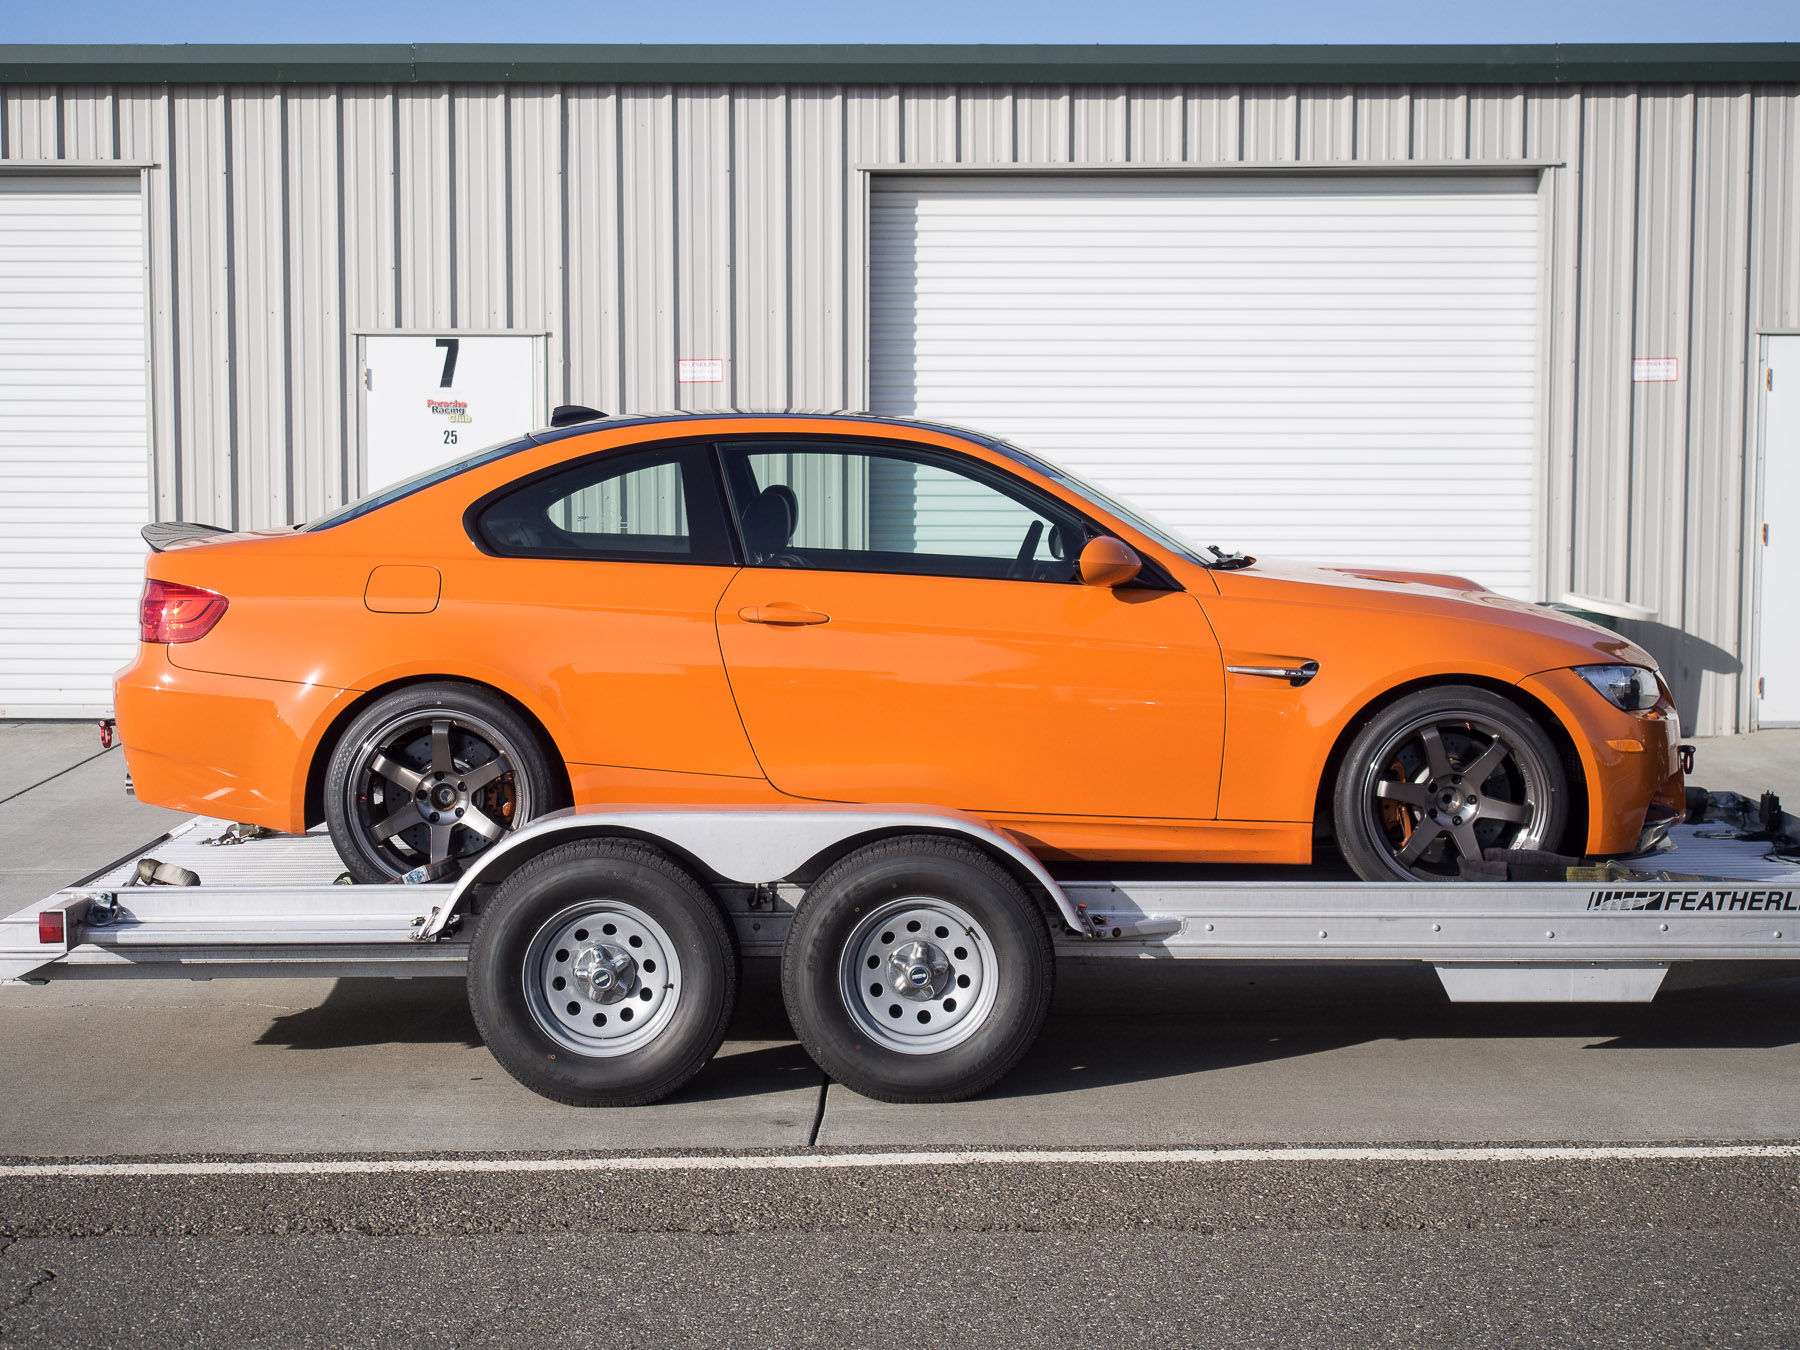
784 1162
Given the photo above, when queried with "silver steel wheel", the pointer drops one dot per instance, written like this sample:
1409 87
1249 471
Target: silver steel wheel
434 785
602 978
1451 784
918 975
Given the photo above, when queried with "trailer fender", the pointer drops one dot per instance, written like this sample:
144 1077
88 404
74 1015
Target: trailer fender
752 845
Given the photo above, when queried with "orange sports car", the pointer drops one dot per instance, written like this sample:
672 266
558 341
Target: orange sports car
747 608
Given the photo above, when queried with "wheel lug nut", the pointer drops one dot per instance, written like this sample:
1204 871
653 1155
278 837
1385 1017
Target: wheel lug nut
1455 820
434 817
462 787
459 812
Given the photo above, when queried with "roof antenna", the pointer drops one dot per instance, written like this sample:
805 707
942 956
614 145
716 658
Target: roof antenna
569 414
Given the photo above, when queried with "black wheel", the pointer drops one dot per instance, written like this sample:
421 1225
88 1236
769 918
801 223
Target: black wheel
917 970
602 974
430 776
1442 775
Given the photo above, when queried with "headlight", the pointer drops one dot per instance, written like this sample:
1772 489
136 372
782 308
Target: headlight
1631 688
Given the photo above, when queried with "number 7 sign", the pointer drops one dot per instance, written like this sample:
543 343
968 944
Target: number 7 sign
430 397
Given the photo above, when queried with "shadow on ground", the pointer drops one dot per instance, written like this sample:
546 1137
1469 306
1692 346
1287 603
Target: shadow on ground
1111 1026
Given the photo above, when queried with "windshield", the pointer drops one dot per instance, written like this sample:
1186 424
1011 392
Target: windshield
1132 515
393 492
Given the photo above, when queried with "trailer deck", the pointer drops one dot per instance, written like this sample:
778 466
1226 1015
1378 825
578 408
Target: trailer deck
268 906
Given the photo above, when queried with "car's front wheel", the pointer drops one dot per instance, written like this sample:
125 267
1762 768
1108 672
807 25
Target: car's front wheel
429 776
1443 775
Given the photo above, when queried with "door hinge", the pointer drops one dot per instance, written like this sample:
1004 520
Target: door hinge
1759 686
1769 378
1765 532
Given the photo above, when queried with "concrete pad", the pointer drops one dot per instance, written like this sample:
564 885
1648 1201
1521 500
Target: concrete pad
1275 1056
33 751
1763 761
279 1066
66 828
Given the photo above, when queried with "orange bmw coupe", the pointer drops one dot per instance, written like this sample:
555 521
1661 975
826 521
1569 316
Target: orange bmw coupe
762 609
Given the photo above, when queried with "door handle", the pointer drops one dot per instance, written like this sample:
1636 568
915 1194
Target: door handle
782 615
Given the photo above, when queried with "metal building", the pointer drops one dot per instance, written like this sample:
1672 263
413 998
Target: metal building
1508 312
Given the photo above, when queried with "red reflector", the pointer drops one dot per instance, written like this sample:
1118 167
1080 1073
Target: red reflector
50 926
172 612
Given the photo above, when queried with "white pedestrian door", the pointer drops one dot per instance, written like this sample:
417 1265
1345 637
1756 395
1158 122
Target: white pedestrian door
74 439
428 398
1779 618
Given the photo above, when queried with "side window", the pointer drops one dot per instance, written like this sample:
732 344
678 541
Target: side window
856 508
656 506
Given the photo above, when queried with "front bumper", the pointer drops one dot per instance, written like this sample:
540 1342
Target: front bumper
220 745
1631 762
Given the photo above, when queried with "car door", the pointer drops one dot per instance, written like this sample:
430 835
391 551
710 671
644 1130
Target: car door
598 591
909 628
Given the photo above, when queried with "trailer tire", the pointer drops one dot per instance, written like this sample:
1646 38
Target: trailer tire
917 969
602 974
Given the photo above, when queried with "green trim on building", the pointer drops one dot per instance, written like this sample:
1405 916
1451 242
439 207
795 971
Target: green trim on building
436 63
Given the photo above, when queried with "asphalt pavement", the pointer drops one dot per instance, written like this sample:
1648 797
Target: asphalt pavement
1356 1251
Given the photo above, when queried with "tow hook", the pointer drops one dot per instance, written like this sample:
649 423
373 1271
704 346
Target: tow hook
1687 758
106 732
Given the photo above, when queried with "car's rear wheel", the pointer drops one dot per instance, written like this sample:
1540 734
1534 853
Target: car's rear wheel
429 776
1441 776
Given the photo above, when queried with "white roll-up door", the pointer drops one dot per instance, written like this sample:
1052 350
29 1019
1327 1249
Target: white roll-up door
1329 369
74 439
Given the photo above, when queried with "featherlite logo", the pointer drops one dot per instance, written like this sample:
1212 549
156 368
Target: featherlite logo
1749 901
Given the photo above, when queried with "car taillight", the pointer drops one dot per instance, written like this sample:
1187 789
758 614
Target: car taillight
172 612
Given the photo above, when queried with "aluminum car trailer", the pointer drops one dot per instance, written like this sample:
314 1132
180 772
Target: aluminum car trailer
601 948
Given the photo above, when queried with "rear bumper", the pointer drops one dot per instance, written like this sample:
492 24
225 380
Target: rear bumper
220 745
1631 761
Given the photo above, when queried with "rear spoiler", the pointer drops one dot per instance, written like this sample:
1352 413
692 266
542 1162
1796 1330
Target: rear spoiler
165 532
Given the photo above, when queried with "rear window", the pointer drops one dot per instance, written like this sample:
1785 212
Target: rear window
417 483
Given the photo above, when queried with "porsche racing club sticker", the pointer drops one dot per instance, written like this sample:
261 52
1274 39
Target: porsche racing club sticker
453 409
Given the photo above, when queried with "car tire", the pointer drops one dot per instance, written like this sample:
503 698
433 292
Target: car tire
575 916
1439 777
917 970
386 767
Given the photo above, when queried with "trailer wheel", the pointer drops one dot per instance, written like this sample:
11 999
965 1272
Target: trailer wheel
917 970
602 974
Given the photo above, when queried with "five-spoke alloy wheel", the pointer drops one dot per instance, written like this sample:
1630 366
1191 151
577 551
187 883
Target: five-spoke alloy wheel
1442 776
428 777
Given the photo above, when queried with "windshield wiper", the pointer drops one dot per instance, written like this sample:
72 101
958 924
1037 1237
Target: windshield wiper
1227 562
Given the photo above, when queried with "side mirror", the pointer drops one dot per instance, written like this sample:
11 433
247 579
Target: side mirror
1106 561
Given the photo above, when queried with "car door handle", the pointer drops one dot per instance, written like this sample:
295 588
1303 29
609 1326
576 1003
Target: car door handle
782 615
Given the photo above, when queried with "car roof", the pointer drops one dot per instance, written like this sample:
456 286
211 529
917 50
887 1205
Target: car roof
547 435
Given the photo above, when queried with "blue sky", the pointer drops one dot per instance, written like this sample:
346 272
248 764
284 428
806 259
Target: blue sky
1083 21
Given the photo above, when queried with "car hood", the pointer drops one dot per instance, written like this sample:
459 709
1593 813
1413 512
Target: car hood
1554 639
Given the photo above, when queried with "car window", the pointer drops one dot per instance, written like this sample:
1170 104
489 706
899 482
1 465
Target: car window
417 483
647 507
839 506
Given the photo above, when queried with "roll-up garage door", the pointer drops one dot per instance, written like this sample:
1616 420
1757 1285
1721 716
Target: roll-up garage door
74 454
1335 370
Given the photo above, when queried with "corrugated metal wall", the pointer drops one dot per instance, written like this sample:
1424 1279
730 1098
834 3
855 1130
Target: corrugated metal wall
641 223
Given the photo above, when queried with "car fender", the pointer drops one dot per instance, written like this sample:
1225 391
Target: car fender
753 845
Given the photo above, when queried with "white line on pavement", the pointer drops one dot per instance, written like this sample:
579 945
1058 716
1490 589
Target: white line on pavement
843 1161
